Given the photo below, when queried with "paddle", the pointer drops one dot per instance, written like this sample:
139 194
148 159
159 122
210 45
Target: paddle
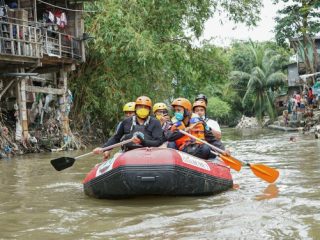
262 171
232 162
65 162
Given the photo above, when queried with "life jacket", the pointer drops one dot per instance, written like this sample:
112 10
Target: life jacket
181 141
196 130
137 128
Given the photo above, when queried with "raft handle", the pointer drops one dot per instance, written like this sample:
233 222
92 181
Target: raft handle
147 179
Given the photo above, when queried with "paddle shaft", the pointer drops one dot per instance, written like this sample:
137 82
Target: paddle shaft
218 150
215 153
204 142
264 172
107 148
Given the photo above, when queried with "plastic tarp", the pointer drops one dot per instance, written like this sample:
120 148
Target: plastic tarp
316 88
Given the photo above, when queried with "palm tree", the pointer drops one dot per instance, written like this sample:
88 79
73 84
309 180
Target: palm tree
265 77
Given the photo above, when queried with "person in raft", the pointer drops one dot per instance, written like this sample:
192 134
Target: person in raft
129 111
141 122
160 111
212 124
199 107
191 124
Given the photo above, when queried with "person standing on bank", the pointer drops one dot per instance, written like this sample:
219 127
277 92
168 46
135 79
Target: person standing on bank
141 122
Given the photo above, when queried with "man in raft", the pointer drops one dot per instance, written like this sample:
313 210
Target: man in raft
212 134
129 109
212 124
190 123
141 122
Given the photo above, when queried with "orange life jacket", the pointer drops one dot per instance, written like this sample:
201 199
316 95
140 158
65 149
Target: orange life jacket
196 130
181 141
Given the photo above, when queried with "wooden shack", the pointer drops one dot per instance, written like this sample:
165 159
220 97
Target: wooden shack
307 61
40 43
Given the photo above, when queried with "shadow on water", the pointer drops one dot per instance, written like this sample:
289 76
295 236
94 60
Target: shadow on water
37 202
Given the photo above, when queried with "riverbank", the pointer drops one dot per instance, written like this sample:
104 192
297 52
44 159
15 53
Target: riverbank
49 137
283 128
44 139
302 121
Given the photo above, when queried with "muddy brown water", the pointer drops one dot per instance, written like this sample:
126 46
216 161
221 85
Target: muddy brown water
37 202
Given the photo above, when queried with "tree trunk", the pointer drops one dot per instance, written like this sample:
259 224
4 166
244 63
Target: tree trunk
310 63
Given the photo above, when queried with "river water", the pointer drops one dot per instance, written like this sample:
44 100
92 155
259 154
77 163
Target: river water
37 202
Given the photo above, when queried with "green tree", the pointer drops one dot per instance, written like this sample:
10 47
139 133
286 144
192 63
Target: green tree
145 47
212 66
264 78
218 109
299 20
242 61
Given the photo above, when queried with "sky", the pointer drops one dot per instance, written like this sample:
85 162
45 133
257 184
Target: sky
224 34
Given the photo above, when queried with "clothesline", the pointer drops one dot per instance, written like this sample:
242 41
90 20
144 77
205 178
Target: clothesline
67 9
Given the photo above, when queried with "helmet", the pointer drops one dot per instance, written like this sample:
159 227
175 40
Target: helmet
129 107
145 101
159 106
183 102
199 103
202 97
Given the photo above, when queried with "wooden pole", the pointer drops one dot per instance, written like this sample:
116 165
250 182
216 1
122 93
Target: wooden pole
23 107
81 30
35 16
63 106
6 88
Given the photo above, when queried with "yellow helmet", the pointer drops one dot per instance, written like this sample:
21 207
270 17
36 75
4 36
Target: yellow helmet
159 106
129 107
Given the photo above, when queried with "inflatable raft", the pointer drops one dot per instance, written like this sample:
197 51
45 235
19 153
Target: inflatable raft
156 171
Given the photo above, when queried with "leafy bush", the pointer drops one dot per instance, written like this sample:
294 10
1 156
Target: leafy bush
218 109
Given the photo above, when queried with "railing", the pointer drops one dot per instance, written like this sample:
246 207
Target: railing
61 45
33 42
20 40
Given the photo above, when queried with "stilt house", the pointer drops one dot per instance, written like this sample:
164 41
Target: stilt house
40 42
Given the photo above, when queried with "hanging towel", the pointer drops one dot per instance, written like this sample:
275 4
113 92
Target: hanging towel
63 20
51 16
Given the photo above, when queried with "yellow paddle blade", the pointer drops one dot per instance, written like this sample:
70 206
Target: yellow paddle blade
232 162
264 172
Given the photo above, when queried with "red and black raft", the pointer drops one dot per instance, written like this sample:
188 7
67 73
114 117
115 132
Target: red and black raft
156 171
